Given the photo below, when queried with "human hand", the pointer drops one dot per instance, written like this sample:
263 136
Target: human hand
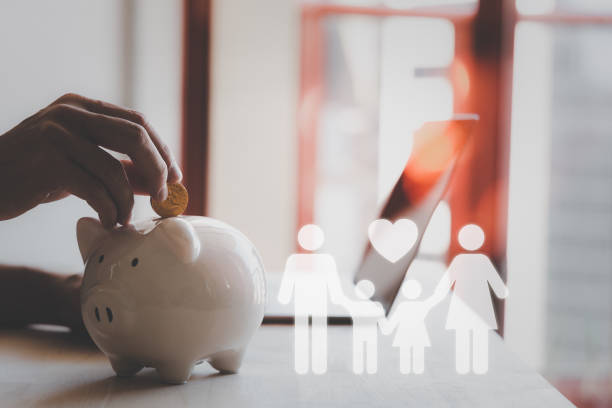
58 151
31 296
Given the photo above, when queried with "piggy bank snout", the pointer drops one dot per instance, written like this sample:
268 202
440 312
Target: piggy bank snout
103 311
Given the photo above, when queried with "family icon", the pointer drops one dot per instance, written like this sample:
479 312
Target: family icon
311 278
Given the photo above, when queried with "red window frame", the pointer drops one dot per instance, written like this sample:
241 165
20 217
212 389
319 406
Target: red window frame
480 187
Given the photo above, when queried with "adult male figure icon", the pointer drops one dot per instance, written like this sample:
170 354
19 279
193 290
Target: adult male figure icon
471 309
309 278
366 316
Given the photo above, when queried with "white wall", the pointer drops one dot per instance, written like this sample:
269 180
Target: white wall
71 45
50 48
253 159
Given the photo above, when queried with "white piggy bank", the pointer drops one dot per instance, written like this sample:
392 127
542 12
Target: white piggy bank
170 293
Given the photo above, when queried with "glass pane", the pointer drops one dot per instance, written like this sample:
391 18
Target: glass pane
580 218
383 77
565 6
560 226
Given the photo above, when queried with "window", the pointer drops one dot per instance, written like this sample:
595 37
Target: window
540 82
381 83
560 161
370 75
536 71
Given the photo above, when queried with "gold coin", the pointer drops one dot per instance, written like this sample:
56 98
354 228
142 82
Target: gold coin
175 204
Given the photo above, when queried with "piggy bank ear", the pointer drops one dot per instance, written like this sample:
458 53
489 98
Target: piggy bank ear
89 233
180 237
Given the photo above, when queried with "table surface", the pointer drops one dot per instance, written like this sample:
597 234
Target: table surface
51 368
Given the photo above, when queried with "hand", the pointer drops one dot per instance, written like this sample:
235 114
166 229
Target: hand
283 300
343 301
504 293
385 326
58 151
29 296
340 300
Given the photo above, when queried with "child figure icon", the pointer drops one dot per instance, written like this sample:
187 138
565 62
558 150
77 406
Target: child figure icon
366 316
408 322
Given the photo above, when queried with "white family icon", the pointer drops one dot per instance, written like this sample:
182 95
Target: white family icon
311 277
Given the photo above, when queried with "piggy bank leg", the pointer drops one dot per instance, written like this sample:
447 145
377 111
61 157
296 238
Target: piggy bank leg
227 362
124 367
175 372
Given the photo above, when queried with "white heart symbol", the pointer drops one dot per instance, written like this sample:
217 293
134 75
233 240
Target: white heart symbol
393 241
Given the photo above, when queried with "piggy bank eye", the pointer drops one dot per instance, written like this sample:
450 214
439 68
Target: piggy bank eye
134 261
101 259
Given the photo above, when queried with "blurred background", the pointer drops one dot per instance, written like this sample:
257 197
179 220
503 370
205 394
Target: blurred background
287 112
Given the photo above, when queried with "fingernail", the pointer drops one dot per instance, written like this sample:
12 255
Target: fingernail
175 173
162 194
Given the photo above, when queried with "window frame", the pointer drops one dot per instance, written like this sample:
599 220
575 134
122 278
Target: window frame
487 60
195 109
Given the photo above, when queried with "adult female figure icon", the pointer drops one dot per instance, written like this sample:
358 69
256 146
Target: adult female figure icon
471 308
408 320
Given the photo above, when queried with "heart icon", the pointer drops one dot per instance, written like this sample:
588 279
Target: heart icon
393 241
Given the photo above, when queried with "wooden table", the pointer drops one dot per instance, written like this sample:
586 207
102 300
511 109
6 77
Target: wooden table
45 368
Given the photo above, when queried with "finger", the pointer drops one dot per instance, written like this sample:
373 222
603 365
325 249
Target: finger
100 164
136 180
55 196
105 108
121 136
87 187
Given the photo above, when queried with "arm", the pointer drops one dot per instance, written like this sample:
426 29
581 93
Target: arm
287 283
350 306
333 284
387 325
29 296
441 290
497 284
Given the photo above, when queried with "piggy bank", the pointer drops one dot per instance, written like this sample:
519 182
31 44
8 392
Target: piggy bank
170 294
